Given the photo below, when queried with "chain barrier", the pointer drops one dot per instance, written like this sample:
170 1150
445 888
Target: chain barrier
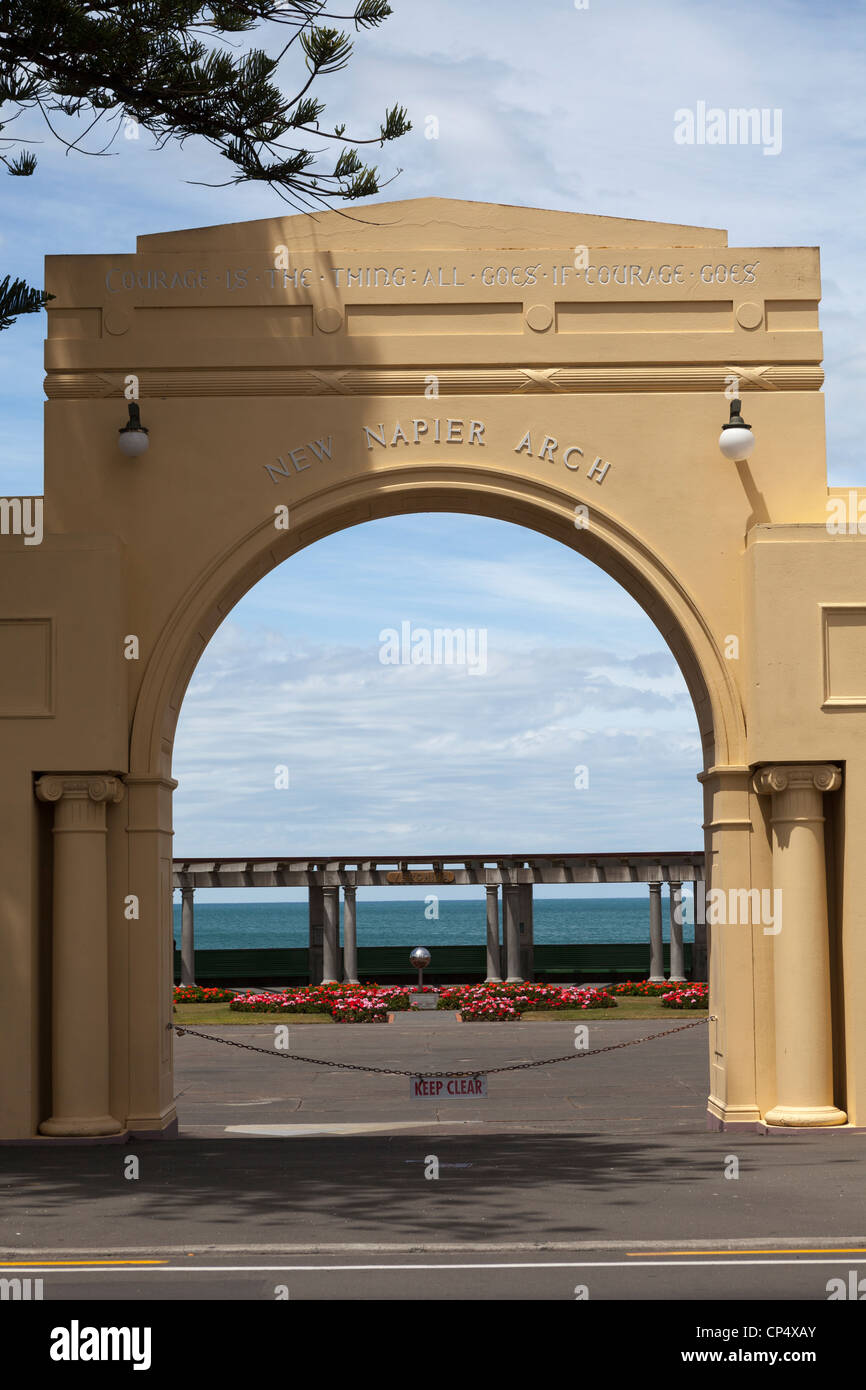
435 1075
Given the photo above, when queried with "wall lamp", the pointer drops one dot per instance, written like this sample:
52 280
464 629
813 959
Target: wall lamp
132 437
736 440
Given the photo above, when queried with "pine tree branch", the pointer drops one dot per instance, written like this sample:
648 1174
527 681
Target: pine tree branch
165 65
19 298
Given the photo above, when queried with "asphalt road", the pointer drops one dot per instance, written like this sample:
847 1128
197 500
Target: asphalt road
498 1273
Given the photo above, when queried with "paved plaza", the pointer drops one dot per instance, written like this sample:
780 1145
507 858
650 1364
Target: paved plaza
651 1086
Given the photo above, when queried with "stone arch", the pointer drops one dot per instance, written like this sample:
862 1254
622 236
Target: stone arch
486 299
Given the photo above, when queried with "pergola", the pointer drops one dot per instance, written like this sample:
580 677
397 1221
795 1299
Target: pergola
325 876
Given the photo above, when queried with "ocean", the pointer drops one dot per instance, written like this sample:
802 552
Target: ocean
395 922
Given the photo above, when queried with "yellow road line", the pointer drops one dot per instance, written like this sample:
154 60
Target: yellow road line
822 1250
30 1264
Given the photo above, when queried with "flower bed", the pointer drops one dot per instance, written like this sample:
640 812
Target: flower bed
489 1002
345 1003
486 1008
644 989
289 1002
361 1008
201 994
692 997
661 989
592 999
449 996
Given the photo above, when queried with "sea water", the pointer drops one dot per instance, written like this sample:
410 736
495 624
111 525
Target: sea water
396 922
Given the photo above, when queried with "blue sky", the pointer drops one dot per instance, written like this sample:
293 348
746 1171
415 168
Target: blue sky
547 106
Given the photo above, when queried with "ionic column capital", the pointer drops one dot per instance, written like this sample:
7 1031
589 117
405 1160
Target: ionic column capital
57 786
782 777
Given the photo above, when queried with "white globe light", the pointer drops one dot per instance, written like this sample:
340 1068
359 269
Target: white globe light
736 440
132 443
737 443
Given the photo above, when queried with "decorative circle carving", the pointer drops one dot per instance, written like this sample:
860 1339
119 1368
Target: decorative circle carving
49 788
328 320
539 317
749 314
104 789
116 321
828 779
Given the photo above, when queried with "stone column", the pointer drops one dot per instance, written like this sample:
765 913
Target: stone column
736 1018
511 932
801 948
494 953
140 863
677 970
79 963
527 934
350 936
314 949
657 957
187 937
330 935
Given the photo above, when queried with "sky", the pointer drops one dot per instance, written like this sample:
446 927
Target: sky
550 106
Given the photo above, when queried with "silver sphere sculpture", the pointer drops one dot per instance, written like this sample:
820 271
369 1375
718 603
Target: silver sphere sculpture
420 958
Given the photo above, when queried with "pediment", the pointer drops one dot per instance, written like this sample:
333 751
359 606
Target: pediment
434 224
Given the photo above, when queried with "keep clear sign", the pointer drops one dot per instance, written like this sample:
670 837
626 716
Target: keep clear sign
447 1087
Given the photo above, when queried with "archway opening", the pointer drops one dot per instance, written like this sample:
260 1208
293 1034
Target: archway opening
547 717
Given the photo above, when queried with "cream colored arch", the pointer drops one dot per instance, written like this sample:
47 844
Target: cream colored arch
633 358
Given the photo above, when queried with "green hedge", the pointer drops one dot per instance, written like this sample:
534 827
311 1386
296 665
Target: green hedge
390 964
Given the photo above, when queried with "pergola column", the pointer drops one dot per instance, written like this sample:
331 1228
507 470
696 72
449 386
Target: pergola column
330 935
494 954
801 948
700 963
676 909
79 954
511 932
314 948
527 933
350 936
657 958
187 936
